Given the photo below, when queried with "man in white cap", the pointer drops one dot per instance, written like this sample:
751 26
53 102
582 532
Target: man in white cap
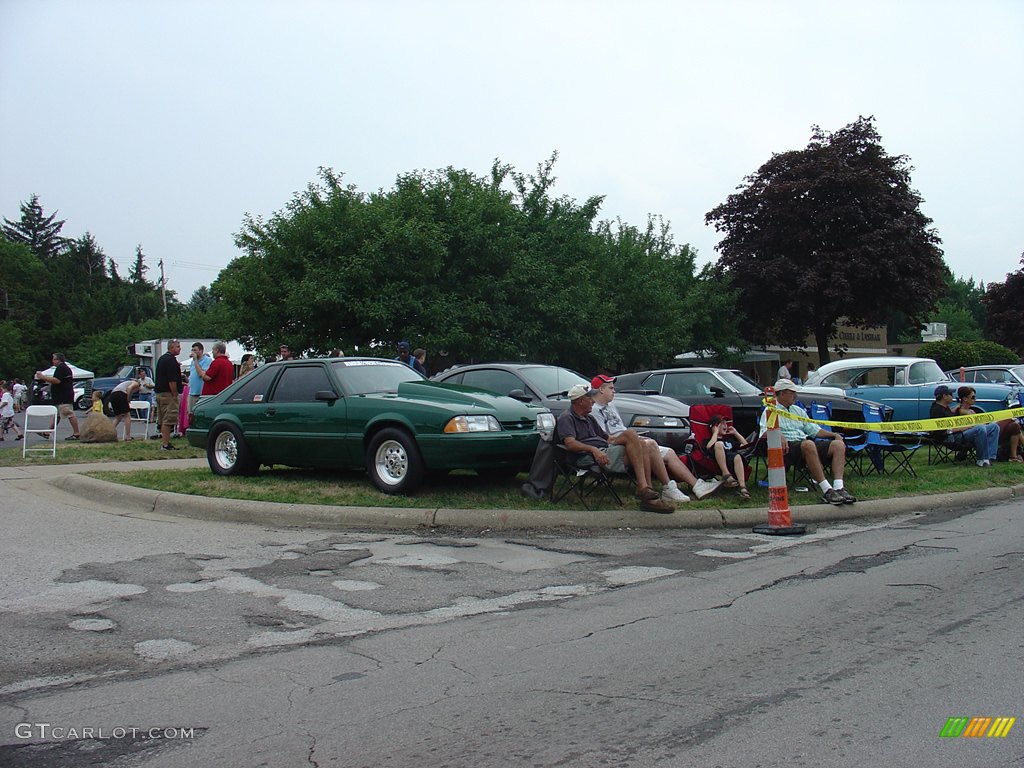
663 461
806 441
582 435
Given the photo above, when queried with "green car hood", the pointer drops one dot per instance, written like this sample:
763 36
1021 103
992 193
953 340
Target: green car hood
503 408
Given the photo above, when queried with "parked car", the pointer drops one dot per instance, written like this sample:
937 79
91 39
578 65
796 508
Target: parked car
990 374
905 383
125 373
727 386
363 412
661 418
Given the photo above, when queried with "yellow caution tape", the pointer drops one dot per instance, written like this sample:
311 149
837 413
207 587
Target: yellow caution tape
922 425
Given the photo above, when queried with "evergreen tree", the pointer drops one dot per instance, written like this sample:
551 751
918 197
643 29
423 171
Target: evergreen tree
40 233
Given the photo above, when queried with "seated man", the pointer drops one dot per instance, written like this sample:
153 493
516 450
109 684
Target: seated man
984 437
580 434
798 442
661 461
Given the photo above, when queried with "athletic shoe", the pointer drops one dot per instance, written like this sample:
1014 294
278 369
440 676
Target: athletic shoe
703 488
832 496
848 497
982 463
657 505
670 492
647 495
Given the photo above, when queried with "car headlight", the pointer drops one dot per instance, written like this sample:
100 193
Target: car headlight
473 424
657 421
546 422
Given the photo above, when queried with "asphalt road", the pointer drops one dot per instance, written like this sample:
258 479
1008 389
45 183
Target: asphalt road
248 646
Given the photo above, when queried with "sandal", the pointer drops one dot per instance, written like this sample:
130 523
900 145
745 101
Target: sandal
743 492
1016 460
731 481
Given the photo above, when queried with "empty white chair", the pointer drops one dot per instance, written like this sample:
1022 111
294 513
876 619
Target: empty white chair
40 419
140 412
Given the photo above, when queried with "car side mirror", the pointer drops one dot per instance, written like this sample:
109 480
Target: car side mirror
520 395
717 391
326 394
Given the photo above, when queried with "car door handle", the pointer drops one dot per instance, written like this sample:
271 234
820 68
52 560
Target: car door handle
270 411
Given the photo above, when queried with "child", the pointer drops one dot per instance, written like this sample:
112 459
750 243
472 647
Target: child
724 445
7 412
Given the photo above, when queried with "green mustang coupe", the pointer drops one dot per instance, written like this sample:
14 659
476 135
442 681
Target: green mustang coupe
352 412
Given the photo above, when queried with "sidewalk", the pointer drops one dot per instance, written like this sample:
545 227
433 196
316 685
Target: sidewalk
129 499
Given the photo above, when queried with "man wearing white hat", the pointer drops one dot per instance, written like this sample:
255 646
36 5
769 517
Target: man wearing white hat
582 435
804 440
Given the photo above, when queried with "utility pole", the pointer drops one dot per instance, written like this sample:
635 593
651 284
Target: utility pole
163 287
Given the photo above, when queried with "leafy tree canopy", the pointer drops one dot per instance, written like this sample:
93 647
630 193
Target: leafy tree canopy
1004 321
952 354
471 267
827 233
40 233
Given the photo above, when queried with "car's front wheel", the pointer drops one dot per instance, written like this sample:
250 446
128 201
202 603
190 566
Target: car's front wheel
83 403
227 452
393 461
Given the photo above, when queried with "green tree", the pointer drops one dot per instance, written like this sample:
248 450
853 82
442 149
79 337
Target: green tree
480 267
1004 321
39 232
827 233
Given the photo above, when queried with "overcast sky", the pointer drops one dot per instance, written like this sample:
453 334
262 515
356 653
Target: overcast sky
163 123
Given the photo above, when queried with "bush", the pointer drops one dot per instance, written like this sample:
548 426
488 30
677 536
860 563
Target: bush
992 353
952 354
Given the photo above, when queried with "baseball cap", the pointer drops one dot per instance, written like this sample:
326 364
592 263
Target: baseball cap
403 346
600 379
941 390
576 391
783 385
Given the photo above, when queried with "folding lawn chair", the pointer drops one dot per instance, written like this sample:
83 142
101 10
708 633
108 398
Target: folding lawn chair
879 447
40 420
701 463
580 475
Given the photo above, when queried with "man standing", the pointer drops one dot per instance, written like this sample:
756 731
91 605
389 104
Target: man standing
786 370
220 372
284 352
405 355
804 440
168 393
62 391
581 434
146 386
200 362
662 461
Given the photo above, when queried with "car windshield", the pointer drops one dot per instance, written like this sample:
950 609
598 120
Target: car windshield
363 377
124 372
743 384
1018 372
551 381
926 372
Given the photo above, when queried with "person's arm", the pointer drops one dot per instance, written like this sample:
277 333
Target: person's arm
742 441
574 445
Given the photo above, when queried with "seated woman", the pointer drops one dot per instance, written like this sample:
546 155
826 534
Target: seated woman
985 436
1009 429
724 444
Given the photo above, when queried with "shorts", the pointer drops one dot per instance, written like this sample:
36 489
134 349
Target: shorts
616 459
118 403
66 410
167 406
795 455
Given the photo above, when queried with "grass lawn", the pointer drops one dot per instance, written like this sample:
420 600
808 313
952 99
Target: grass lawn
86 453
466 490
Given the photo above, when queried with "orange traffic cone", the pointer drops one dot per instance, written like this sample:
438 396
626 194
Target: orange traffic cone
780 522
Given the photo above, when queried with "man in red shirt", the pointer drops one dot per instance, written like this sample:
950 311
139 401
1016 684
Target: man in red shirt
220 372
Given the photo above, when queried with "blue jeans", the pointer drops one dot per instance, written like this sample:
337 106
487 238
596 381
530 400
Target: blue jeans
986 440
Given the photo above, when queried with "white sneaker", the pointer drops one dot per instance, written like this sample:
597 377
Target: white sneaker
670 492
704 488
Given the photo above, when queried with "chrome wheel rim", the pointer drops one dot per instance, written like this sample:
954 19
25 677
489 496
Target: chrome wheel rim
225 449
392 462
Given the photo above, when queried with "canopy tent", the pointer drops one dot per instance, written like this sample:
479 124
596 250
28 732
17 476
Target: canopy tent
78 373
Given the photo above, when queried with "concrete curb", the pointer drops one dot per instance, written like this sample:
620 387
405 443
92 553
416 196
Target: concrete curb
132 499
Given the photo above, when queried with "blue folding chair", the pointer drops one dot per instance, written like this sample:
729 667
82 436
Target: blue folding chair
878 447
